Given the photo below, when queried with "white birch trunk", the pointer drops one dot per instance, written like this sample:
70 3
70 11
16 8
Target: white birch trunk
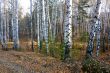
45 26
68 28
4 37
93 31
15 24
0 22
38 25
32 46
7 22
98 29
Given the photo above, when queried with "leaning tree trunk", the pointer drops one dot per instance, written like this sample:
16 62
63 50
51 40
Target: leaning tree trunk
105 28
68 29
92 32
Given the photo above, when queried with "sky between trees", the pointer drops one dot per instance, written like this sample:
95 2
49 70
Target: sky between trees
25 4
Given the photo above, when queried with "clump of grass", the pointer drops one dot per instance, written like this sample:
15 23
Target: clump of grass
76 54
91 65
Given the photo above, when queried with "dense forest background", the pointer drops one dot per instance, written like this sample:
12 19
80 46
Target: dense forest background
55 36
44 26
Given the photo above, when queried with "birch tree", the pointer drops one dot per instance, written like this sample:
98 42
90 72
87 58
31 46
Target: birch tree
92 32
38 25
3 27
75 14
52 27
98 29
31 25
0 21
46 26
45 23
41 23
15 23
109 28
68 29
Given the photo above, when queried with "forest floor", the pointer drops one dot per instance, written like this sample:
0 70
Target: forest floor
105 57
29 62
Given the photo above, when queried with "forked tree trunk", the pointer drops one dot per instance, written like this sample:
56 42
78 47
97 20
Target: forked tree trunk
92 32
